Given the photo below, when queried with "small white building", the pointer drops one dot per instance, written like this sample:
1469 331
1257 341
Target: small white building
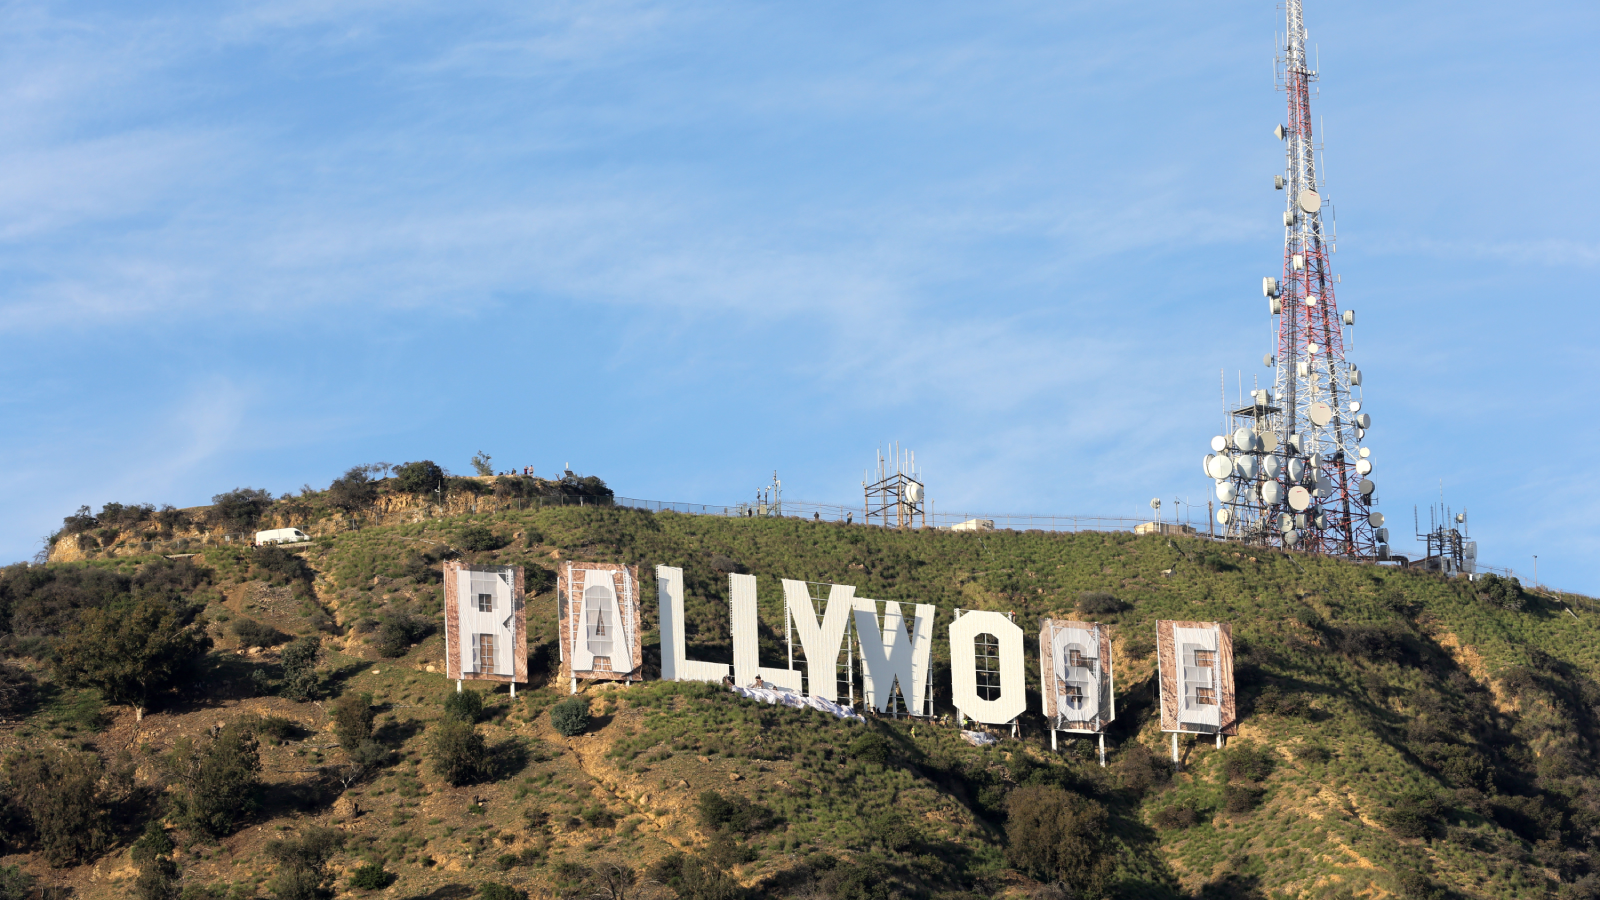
974 525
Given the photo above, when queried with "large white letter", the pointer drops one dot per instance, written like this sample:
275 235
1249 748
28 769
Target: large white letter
964 667
746 649
893 654
675 662
820 642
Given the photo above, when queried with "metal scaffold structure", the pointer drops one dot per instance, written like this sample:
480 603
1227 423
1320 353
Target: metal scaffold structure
895 498
1289 466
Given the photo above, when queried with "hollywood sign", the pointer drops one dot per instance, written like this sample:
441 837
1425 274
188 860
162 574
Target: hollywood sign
600 627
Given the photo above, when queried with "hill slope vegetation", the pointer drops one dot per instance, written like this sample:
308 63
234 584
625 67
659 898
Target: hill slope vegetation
1402 734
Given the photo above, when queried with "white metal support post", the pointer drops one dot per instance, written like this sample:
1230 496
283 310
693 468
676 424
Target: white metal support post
1175 763
1102 751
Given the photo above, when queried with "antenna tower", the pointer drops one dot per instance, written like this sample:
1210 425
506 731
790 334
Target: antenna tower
1290 468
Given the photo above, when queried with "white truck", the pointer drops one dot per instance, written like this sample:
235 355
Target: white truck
281 536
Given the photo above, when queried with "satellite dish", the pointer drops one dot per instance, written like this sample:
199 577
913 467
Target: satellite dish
1367 487
1360 433
1320 412
1315 460
1269 286
1155 503
1219 443
1272 492
1322 521
1279 132
1363 467
1288 218
1268 359
1363 421
1355 376
1291 537
1311 300
1226 492
1376 519
1324 487
1269 442
1277 182
1244 438
1461 518
1246 466
1299 498
1224 516
1220 467
914 493
1355 406
1313 349
1206 464
1274 307
1349 317
1285 521
1270 466
1297 469
1366 452
1310 201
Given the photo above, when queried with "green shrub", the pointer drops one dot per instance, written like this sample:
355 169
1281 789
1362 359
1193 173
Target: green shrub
571 716
131 652
60 796
491 890
1248 763
256 634
371 877
476 538
1092 603
240 509
15 884
303 864
219 781
353 490
870 747
1178 815
1056 835
464 706
396 634
459 753
1239 799
300 679
1505 593
424 477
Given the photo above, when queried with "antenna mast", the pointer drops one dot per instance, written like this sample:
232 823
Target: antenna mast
1293 473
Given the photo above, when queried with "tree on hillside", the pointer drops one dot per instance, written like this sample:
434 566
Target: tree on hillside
240 508
1056 835
62 798
422 477
480 463
353 490
130 651
219 781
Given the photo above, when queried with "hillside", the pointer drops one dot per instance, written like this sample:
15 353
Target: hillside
1402 734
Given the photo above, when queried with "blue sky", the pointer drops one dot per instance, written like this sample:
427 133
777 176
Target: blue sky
681 245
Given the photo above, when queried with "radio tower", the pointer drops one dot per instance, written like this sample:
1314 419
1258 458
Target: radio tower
1290 467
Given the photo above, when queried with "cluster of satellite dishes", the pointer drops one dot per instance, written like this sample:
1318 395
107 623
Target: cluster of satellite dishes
1266 485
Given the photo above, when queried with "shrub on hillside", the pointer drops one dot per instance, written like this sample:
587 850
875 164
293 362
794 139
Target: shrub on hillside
1239 799
281 566
493 890
158 874
695 878
736 814
219 780
475 538
1411 816
61 800
353 490
300 679
396 633
1092 603
1056 835
458 751
464 706
256 634
303 864
1178 815
353 715
1138 770
240 509
371 877
1505 593
870 747
1245 762
571 716
424 477
1275 701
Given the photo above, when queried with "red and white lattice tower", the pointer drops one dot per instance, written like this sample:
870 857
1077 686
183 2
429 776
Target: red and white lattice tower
1290 468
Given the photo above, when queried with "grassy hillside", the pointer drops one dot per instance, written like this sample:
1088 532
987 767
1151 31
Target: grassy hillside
1403 734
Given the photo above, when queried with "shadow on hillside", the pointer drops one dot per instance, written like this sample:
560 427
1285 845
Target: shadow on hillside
446 892
397 732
